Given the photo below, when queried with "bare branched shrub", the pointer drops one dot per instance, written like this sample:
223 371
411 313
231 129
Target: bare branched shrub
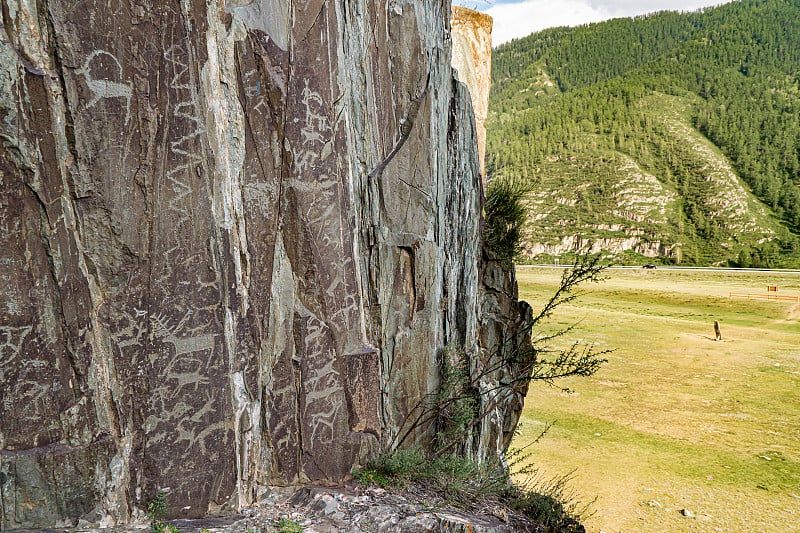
454 411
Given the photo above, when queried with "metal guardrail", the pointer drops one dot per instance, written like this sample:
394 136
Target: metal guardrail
750 296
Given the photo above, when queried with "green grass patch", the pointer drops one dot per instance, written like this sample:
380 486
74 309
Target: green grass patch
289 526
736 469
676 420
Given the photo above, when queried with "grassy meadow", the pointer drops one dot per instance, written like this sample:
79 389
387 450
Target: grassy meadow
676 420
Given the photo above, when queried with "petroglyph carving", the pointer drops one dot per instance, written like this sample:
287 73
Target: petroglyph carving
183 345
316 121
315 132
103 88
12 339
21 374
253 91
186 118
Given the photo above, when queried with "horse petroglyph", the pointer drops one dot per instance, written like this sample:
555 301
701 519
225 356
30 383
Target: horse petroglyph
103 88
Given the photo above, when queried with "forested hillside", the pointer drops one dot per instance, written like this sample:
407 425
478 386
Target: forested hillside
674 136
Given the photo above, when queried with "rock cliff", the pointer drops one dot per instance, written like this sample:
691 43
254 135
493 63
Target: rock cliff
237 235
472 58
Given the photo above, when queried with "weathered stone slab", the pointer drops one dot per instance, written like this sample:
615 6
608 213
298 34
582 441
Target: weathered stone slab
472 59
41 487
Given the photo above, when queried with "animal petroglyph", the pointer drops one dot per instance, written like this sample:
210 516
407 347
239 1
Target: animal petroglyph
11 342
103 88
135 333
11 339
316 131
183 345
21 374
253 91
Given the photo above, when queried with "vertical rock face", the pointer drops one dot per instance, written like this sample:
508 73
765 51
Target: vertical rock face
236 236
472 58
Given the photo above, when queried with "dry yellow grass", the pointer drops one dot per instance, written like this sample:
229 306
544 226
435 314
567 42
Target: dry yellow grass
676 420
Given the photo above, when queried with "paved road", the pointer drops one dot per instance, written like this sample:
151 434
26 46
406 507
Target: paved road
707 269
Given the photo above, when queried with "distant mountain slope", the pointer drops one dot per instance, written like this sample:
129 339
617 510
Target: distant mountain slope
673 135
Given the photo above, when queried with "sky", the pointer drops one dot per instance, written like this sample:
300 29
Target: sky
518 18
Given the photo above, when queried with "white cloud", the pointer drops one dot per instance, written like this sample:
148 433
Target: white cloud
524 18
518 19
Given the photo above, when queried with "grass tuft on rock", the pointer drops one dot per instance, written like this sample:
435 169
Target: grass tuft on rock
289 526
452 479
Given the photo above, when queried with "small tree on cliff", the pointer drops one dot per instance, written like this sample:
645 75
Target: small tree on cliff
505 215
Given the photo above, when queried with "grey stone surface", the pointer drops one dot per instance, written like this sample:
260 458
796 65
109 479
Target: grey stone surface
359 510
235 238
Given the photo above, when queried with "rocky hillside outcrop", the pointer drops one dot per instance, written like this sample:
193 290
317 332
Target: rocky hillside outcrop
237 235
653 140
